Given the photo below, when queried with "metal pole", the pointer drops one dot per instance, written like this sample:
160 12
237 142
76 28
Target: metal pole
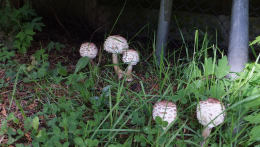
238 39
163 29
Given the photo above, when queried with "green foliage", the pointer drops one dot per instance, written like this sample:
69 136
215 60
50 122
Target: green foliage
5 54
66 128
209 82
82 63
35 123
12 18
249 85
24 38
17 28
6 62
19 25
138 119
55 45
95 110
222 69
256 41
61 70
81 82
13 135
39 67
253 119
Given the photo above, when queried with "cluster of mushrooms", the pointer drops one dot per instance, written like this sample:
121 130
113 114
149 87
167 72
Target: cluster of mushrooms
114 44
210 113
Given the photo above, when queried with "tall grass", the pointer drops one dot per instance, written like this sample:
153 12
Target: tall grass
91 107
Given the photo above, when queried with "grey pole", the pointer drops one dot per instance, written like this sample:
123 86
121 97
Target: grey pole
238 39
163 28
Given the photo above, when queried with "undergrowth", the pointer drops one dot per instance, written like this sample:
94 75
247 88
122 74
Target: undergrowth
49 104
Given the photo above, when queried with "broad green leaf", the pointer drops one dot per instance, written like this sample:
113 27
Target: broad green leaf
29 31
254 133
62 71
192 71
251 90
208 67
35 123
42 71
6 55
91 143
223 68
256 41
79 141
138 118
196 72
12 117
253 104
253 119
217 90
40 134
82 63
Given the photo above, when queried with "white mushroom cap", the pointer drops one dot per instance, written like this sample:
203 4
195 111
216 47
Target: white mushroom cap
166 110
115 44
88 49
130 57
208 110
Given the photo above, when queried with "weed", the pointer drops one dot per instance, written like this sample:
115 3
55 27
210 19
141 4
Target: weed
86 106
19 26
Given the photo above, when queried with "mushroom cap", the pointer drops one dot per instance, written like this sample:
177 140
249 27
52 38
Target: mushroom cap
208 110
166 110
130 57
88 49
115 44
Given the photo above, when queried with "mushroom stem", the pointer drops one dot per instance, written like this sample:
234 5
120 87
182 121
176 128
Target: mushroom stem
129 76
205 133
117 69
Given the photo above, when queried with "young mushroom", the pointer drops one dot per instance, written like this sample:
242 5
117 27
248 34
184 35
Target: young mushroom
89 50
166 110
116 45
210 114
130 57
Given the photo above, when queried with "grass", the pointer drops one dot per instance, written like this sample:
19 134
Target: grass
49 99
92 108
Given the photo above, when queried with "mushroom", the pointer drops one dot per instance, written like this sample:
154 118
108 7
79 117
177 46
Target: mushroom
166 110
130 57
116 45
210 114
89 50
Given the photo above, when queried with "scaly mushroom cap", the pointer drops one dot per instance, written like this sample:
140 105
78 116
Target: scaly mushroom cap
115 44
208 110
88 49
166 110
130 57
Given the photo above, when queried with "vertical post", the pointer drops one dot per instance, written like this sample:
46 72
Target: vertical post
238 39
163 28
